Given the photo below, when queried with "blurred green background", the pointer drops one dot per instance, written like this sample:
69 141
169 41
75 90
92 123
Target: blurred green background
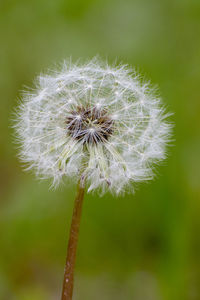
138 247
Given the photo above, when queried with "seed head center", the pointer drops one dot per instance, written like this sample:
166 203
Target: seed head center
89 125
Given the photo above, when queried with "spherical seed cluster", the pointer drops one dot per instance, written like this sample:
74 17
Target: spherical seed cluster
94 120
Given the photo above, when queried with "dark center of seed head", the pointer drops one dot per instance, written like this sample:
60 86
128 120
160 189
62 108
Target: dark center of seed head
89 125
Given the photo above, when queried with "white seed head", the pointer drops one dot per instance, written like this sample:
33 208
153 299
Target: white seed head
93 121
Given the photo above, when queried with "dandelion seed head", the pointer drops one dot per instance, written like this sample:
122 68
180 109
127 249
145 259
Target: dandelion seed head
93 119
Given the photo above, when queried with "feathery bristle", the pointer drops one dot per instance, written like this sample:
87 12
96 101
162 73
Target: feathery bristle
95 115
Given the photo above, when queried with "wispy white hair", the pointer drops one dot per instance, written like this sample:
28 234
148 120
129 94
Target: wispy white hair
139 135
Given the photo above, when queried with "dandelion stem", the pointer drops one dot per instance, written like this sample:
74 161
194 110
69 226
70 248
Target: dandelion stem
68 281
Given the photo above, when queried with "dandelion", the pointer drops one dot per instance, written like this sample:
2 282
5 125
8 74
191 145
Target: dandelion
94 124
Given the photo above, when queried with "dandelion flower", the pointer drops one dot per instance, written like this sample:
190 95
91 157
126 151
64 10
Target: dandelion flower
96 120
95 124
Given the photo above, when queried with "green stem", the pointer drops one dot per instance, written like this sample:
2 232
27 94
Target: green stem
68 281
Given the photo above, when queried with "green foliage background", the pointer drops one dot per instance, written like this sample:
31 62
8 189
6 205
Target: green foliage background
140 247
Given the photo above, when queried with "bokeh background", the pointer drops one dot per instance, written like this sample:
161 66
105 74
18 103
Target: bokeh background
138 247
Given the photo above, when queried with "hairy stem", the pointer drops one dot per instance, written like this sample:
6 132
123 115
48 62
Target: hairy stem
68 281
